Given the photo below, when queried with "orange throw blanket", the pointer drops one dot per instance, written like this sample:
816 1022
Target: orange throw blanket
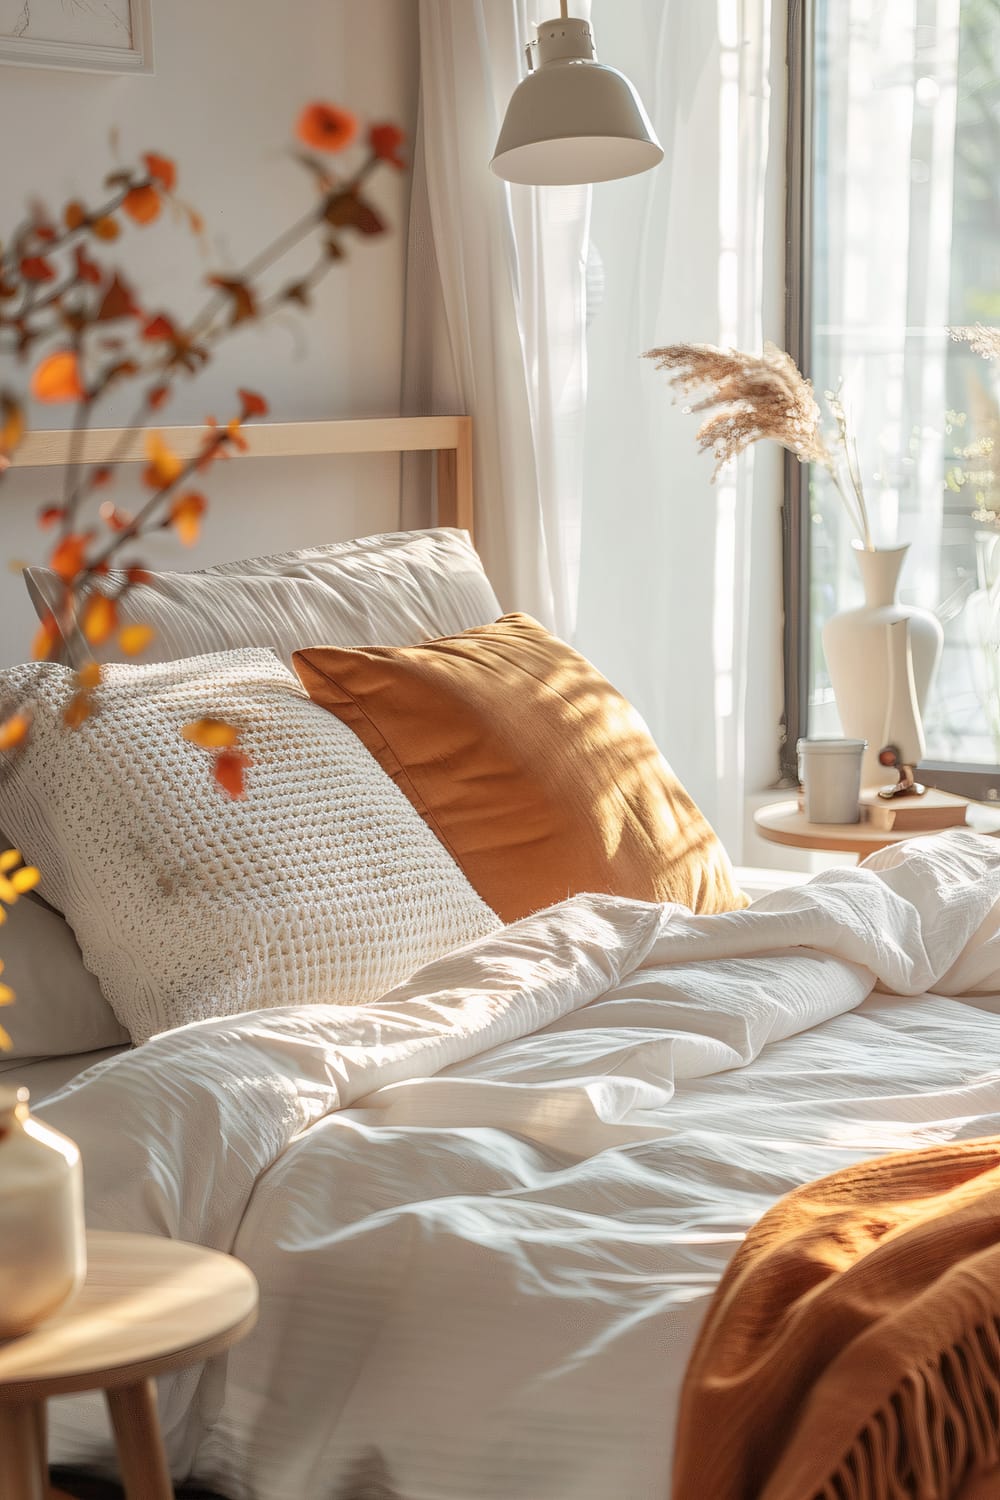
852 1350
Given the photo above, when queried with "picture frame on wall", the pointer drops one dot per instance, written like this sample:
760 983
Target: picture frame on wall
91 36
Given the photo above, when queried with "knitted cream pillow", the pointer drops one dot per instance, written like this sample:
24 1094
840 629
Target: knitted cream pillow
322 884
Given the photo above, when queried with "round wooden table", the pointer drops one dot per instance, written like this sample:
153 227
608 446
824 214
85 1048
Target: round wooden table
784 823
149 1305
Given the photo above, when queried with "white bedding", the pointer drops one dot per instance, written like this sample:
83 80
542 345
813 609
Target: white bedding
487 1212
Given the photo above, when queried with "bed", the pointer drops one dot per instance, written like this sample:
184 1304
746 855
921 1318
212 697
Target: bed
488 1208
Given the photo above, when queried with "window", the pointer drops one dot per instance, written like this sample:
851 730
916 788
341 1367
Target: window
895 218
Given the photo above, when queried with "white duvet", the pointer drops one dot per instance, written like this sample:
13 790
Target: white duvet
487 1212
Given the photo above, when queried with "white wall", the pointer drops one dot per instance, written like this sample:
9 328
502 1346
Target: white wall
230 79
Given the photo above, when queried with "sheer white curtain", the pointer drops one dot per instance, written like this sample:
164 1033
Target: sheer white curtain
496 292
530 309
680 595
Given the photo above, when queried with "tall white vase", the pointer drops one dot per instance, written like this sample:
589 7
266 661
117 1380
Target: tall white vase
43 1256
860 659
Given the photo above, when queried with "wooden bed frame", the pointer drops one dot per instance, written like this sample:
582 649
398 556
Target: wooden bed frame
448 438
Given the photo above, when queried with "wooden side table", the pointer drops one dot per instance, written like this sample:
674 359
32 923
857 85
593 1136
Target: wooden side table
149 1305
783 823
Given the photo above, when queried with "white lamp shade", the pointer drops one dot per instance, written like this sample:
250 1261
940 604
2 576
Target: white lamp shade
572 119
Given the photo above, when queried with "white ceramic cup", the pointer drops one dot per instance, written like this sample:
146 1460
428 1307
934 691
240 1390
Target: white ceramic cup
830 773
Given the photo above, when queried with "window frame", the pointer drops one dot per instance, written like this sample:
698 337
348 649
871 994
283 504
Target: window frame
977 782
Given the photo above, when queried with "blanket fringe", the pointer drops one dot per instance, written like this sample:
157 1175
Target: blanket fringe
941 1425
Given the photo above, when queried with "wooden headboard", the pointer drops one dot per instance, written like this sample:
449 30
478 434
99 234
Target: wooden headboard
448 438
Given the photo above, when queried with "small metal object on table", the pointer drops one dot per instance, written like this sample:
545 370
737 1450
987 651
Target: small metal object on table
149 1305
784 823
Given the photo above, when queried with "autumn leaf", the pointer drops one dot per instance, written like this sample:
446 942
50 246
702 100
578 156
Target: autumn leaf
14 731
142 204
49 515
6 1044
253 405
348 211
14 881
78 710
228 771
117 302
325 127
159 327
386 142
67 557
86 269
211 734
46 638
57 378
243 304
164 464
101 476
106 228
161 169
98 619
88 676
157 396
37 268
11 423
74 214
137 575
133 639
185 515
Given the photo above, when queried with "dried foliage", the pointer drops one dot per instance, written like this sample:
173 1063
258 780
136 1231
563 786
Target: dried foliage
74 331
756 396
980 338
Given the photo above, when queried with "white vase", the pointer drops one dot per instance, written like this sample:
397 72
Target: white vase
43 1256
859 653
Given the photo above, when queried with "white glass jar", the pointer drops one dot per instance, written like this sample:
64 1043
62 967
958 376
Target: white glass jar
43 1258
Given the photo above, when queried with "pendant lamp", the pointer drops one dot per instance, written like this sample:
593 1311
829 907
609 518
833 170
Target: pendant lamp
573 119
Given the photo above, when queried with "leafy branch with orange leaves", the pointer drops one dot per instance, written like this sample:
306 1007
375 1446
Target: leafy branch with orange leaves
81 331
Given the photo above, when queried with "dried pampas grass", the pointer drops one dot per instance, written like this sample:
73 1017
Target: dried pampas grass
759 396
755 396
980 338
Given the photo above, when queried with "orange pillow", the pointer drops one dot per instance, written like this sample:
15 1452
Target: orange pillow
539 778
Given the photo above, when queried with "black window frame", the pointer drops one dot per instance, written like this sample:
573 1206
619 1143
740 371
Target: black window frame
977 782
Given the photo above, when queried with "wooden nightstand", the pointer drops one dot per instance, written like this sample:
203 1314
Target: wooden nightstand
149 1305
783 823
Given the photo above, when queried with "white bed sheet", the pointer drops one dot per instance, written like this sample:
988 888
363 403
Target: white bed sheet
485 1248
43 1076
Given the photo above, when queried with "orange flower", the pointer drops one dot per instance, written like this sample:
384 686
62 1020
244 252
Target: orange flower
142 204
57 378
162 170
326 128
386 141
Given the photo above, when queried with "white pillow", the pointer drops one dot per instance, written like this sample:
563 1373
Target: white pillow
322 884
59 1007
393 590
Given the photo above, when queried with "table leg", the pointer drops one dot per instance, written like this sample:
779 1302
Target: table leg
21 1457
141 1458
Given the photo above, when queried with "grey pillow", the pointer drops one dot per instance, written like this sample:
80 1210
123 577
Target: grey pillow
59 1007
397 589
